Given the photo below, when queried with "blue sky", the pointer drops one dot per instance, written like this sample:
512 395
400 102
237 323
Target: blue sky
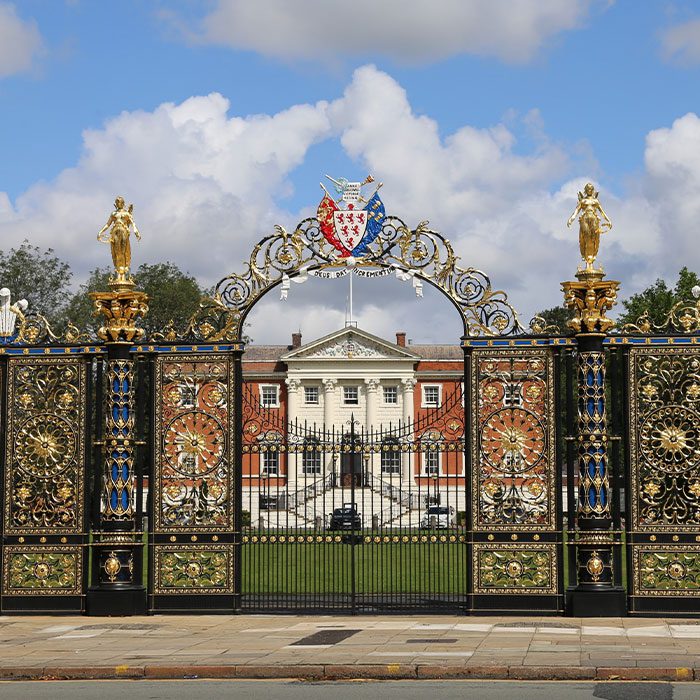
560 91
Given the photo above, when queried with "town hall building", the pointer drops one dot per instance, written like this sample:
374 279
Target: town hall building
401 403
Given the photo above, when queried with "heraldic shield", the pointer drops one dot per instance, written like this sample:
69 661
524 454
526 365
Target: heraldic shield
351 230
350 226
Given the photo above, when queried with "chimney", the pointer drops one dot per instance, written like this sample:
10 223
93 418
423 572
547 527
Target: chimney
296 340
401 339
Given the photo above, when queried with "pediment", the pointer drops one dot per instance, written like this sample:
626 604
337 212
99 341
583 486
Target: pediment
350 343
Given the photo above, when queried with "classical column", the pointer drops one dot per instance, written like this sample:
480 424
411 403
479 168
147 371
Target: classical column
595 594
117 541
372 386
293 386
408 387
329 391
407 417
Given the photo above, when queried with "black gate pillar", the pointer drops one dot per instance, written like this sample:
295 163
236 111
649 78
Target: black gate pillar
237 437
468 467
117 548
595 594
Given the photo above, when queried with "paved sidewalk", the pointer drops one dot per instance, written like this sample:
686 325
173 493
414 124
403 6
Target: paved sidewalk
326 647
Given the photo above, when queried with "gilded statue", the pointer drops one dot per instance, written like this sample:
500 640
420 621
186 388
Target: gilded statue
590 225
121 220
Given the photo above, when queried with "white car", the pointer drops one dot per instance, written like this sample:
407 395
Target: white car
437 517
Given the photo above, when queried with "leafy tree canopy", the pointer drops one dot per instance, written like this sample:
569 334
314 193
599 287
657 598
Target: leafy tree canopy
173 296
38 276
658 299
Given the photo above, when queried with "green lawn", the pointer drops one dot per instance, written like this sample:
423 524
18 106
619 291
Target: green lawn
327 567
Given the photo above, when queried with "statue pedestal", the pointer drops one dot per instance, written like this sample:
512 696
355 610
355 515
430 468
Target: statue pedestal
589 298
121 310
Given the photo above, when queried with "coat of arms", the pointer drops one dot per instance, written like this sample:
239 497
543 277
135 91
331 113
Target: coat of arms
346 226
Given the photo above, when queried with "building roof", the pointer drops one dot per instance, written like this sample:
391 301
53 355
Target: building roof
351 342
273 353
438 352
264 353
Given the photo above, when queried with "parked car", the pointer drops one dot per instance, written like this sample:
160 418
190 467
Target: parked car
438 517
345 518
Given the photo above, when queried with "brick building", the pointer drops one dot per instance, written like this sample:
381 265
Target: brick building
406 405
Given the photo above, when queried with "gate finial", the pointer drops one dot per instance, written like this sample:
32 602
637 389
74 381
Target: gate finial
591 296
121 221
590 225
122 306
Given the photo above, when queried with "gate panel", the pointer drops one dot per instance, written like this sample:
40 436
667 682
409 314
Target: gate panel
192 503
664 567
354 518
43 559
515 486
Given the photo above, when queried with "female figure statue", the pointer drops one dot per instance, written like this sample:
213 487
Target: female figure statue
121 220
590 226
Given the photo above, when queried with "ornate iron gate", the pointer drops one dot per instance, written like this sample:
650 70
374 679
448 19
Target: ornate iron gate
664 463
193 486
515 504
46 483
374 518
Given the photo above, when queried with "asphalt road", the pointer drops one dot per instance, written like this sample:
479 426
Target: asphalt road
357 690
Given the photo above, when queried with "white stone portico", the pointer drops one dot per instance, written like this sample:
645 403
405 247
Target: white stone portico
350 374
348 362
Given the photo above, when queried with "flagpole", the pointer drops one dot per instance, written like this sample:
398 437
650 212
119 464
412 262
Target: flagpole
351 276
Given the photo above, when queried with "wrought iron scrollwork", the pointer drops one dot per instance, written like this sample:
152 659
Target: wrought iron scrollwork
594 481
35 329
665 386
513 484
213 322
539 326
193 479
515 569
683 318
44 478
421 252
119 482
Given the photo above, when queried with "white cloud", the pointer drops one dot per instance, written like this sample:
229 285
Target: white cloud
682 42
202 184
207 186
414 31
20 41
672 158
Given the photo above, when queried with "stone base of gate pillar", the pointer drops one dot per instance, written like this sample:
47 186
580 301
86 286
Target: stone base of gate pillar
117 575
117 602
587 602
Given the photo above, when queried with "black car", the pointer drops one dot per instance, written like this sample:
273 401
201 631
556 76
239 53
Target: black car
345 518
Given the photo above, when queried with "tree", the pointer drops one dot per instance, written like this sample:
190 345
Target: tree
658 299
173 296
556 318
38 276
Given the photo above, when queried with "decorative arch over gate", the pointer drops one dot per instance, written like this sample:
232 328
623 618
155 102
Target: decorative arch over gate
419 253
